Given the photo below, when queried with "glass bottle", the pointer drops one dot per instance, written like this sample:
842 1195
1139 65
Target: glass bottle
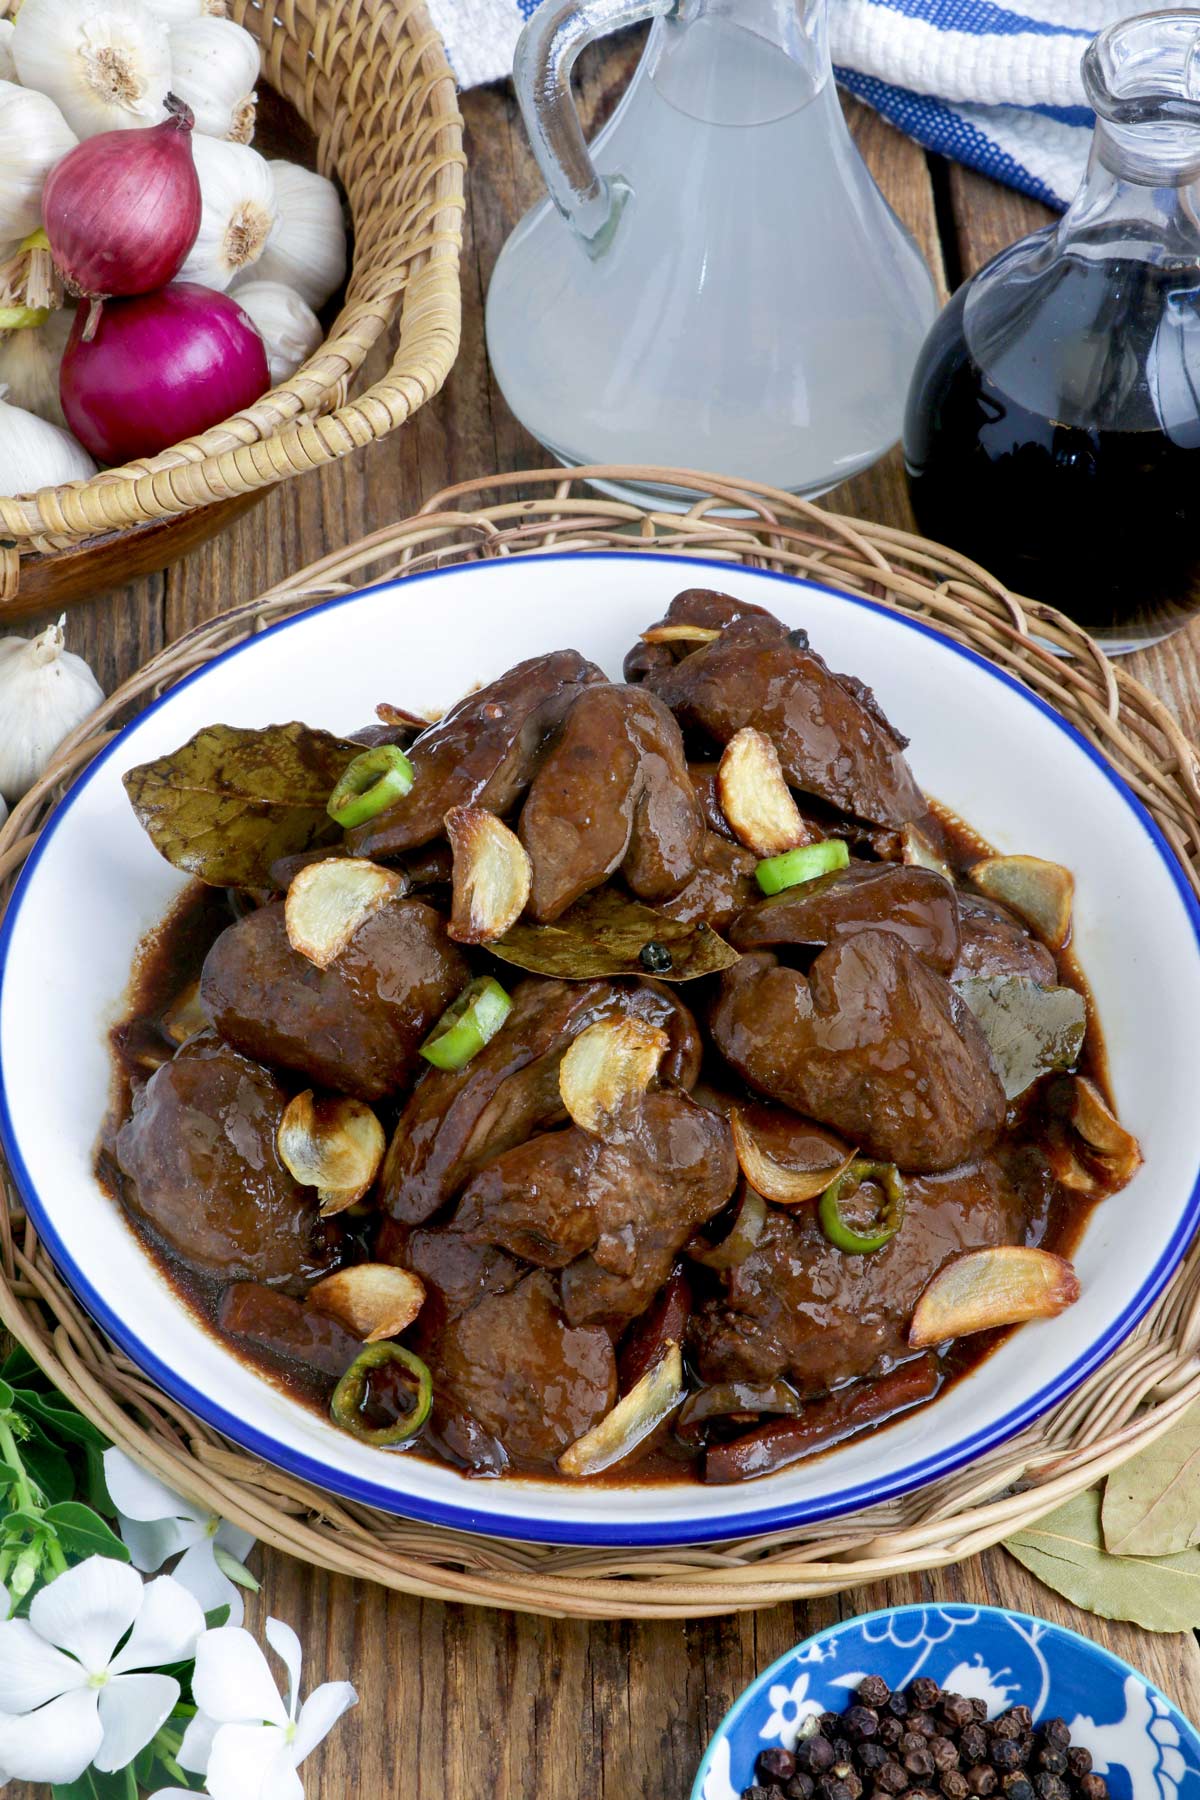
717 283
1053 427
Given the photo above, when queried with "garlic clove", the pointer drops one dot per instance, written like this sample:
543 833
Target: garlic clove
105 63
35 454
8 68
308 249
182 12
239 213
33 137
286 323
45 692
214 66
29 365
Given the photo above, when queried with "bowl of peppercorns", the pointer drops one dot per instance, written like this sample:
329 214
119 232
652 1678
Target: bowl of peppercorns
951 1703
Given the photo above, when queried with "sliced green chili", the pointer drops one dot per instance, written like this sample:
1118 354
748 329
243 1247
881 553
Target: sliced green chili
775 873
373 782
346 1406
466 1026
844 1236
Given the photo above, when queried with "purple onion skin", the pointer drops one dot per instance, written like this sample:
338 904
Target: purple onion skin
122 209
160 367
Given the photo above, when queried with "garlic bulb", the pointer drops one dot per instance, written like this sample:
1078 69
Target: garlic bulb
105 63
214 66
287 325
35 454
33 137
179 12
308 251
239 212
8 68
45 691
29 365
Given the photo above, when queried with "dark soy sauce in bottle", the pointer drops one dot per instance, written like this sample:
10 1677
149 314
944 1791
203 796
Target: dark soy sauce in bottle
1053 424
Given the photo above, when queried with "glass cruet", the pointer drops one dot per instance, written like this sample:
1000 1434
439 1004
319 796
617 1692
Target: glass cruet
1053 428
717 283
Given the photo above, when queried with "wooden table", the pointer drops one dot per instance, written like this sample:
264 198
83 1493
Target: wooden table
459 1703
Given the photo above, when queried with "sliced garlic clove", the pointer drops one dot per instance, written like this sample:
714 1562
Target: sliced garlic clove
919 853
679 634
335 1145
185 1016
492 876
372 1300
755 798
1039 892
1100 1128
775 1180
328 901
985 1288
607 1070
643 1409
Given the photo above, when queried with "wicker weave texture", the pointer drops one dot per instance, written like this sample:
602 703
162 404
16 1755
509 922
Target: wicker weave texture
1138 1393
370 78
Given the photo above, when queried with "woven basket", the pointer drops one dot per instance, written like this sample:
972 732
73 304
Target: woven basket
370 80
1137 1395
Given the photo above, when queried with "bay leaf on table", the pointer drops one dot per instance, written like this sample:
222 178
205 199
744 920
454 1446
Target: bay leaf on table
1066 1551
230 801
1152 1503
604 934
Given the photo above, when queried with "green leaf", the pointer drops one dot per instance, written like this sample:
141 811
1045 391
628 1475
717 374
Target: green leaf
230 801
6 1397
59 1418
218 1616
1065 1550
83 1532
1029 1029
19 1366
95 1487
605 934
1152 1503
48 1468
237 1572
19 1523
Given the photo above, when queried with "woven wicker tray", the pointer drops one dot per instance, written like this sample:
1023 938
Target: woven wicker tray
1135 1397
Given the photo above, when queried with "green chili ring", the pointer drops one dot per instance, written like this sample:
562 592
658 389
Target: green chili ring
345 1408
775 873
467 1024
842 1235
369 785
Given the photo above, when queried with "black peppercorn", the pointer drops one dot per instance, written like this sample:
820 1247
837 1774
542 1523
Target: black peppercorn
1079 1761
1056 1731
954 1785
1052 1759
923 1722
944 1753
956 1710
760 1793
923 1693
871 1756
973 1744
891 1729
829 1724
982 1779
1005 1727
776 1765
979 1707
919 1763
1022 1715
898 1704
800 1787
1093 1787
1018 1786
861 1722
892 1778
815 1754
655 958
873 1690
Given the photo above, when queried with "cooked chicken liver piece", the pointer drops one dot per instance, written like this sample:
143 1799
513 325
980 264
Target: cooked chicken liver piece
198 1151
722 887
913 904
457 1120
483 752
530 1379
800 1308
612 790
355 1026
871 1043
695 606
628 1203
993 942
832 738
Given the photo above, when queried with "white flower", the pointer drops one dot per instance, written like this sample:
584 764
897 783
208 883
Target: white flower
791 1707
72 1696
155 1523
244 1739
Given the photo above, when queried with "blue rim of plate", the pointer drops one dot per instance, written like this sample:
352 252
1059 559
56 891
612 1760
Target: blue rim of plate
970 1614
745 1523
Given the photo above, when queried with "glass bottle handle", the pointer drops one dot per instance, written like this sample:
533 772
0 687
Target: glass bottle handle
545 56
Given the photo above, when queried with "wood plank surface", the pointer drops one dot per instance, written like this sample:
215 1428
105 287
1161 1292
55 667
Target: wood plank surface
459 1703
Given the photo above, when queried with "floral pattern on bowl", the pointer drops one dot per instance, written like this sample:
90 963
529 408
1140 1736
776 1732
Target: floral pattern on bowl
1140 1742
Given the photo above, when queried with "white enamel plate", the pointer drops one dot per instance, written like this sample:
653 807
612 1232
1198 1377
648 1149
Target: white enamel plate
980 742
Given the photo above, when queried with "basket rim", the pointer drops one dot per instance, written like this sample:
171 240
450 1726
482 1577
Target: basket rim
776 1518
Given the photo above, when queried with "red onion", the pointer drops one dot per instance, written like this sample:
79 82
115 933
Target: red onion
122 210
160 367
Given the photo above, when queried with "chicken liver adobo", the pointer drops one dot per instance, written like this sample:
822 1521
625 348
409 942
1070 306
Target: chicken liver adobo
640 1085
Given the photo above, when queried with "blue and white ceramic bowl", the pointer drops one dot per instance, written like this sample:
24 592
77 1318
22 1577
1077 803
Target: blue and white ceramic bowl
1141 1744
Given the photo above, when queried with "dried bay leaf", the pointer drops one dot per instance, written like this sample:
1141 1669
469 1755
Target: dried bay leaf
230 801
1030 1029
1152 1503
604 934
1066 1551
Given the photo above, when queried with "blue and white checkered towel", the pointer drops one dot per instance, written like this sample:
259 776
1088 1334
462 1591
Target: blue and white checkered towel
991 83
